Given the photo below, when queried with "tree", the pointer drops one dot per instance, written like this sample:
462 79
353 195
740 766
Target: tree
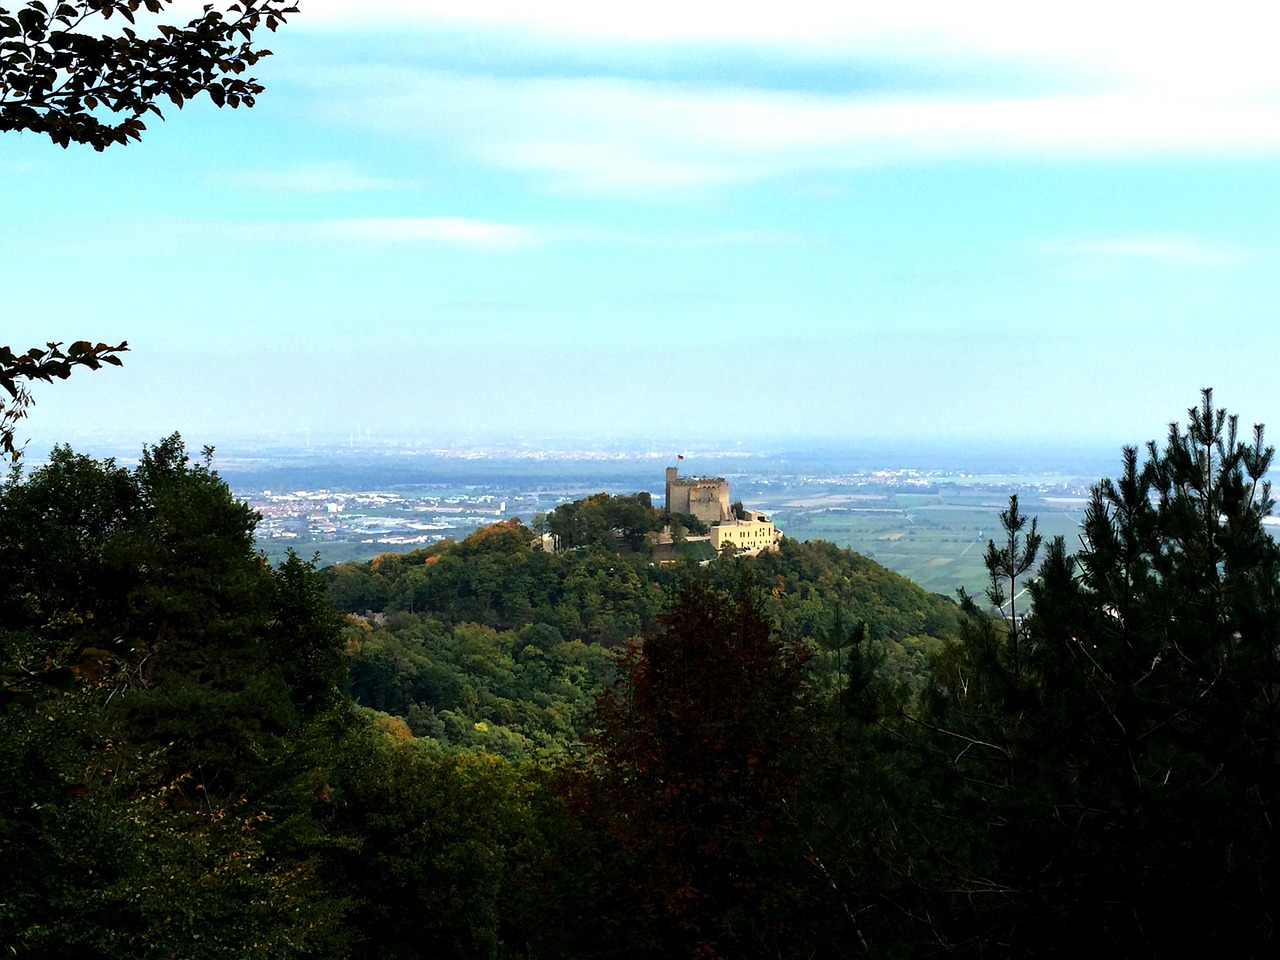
1110 784
433 846
154 674
1159 648
42 363
59 78
1006 564
697 761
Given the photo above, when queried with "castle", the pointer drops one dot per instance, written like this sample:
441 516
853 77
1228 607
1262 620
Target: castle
707 498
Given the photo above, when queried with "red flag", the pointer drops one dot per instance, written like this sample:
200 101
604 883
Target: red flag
679 456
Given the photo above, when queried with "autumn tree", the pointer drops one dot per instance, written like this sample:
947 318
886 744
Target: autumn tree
697 761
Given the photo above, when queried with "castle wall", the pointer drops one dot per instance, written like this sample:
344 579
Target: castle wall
709 501
707 498
702 497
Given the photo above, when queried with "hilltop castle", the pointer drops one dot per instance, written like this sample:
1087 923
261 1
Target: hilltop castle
707 498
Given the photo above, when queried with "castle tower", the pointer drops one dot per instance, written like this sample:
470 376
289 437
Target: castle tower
706 498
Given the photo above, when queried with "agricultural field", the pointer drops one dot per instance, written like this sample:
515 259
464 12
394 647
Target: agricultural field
937 540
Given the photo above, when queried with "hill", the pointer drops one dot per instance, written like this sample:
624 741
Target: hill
492 642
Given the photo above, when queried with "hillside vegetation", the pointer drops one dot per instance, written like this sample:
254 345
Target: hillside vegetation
492 642
492 751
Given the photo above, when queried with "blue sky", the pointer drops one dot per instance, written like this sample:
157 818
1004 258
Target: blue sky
980 221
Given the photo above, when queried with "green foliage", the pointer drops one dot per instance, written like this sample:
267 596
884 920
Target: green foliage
684 523
492 644
58 77
155 670
1113 790
1160 640
600 520
808 581
496 578
45 363
802 753
436 846
513 693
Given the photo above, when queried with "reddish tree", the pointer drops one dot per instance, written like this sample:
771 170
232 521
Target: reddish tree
694 765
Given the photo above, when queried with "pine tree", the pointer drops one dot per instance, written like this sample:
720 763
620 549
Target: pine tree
1156 649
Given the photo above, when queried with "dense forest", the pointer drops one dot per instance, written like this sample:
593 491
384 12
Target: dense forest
487 749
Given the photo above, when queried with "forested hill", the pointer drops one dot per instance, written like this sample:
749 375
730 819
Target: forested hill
498 578
771 773
493 643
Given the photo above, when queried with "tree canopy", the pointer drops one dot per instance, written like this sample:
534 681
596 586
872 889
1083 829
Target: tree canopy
156 677
45 363
62 79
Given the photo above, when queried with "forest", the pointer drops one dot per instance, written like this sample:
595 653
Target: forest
485 749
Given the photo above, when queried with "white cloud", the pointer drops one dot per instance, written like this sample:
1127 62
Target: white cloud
128 237
309 178
1090 79
1175 250
1230 44
608 135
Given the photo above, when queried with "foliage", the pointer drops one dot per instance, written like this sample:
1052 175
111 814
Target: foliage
601 519
153 687
1160 640
42 363
428 849
518 694
802 752
58 77
498 579
1115 789
698 757
684 522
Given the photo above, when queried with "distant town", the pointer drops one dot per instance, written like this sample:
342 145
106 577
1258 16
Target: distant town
390 519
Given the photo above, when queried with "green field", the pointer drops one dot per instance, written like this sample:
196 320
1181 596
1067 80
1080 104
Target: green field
937 541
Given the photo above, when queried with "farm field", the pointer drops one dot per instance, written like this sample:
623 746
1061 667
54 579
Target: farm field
937 540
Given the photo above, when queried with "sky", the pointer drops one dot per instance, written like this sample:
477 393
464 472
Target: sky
983 222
